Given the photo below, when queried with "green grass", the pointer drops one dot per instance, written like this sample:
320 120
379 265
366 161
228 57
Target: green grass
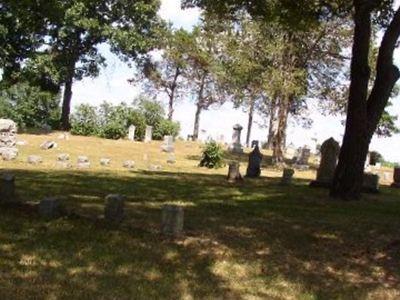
256 240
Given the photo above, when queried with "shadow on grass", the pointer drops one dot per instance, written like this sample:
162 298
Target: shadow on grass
257 239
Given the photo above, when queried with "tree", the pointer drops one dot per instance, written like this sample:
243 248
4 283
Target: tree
78 27
202 71
165 75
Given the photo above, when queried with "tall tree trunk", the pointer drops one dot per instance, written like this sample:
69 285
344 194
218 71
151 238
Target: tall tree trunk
66 105
171 95
250 121
272 124
279 138
197 122
363 116
348 179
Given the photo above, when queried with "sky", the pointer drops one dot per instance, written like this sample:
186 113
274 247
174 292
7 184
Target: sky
112 85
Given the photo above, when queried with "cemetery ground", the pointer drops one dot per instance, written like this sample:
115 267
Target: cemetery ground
252 240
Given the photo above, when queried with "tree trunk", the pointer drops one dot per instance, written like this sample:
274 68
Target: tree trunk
272 124
279 138
348 179
197 122
171 107
66 105
250 121
172 94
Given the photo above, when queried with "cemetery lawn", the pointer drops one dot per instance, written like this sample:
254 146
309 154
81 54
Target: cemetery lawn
255 240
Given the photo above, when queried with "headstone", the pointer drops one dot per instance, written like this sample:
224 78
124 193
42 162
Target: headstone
34 159
149 134
50 208
171 159
396 177
7 188
155 168
168 145
83 162
234 172
255 144
8 139
236 146
46 128
287 177
105 162
190 138
63 157
172 220
371 183
128 164
21 143
304 156
290 152
255 159
330 150
64 136
48 145
131 133
63 165
114 208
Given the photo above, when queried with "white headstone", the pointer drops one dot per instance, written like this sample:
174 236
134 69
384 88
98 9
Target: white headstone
131 133
149 134
168 145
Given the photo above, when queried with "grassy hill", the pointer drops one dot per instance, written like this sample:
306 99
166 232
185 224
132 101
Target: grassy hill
255 240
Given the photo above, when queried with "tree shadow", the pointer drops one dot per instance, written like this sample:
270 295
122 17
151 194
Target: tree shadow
257 239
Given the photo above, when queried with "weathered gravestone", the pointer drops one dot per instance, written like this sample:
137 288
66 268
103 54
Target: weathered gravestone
34 159
330 150
63 161
172 220
304 156
7 188
8 139
171 159
128 164
254 166
114 208
287 177
83 162
236 146
47 145
168 145
370 183
396 178
51 208
105 162
131 133
149 134
234 172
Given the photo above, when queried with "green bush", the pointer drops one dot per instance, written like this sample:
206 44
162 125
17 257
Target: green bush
29 106
166 127
212 157
85 121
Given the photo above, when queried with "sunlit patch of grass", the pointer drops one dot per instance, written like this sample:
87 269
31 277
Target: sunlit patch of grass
256 240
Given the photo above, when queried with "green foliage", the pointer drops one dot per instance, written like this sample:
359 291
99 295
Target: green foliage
29 106
112 121
212 156
166 127
85 120
375 157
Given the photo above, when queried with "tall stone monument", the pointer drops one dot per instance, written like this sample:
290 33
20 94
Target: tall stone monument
8 139
329 156
168 145
149 134
236 146
131 133
255 159
396 178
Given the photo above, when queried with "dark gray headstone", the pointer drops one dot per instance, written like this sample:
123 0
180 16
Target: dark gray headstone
172 220
254 167
287 177
114 208
371 183
50 208
7 188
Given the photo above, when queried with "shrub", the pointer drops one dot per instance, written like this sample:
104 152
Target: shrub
138 120
85 121
29 106
166 127
212 156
